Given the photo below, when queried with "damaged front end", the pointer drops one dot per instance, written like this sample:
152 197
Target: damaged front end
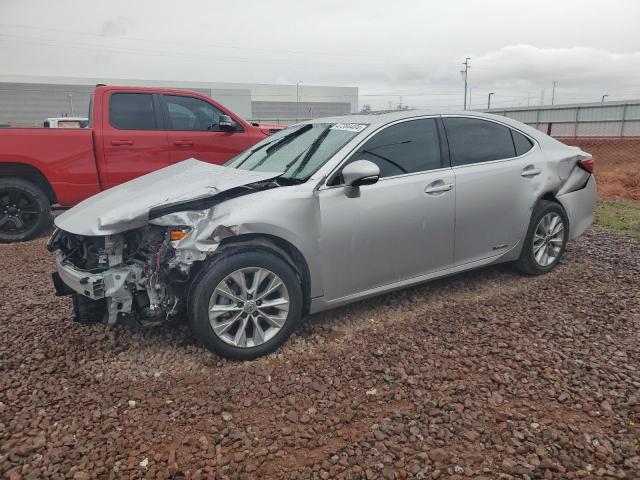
130 251
134 274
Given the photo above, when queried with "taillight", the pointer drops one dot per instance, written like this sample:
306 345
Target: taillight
587 164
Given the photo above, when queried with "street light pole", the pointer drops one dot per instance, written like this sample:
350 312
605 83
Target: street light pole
489 100
465 72
603 97
298 100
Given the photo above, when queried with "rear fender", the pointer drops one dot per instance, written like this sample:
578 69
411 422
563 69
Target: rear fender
580 206
573 176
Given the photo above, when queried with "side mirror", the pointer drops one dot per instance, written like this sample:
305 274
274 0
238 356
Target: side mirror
226 123
358 173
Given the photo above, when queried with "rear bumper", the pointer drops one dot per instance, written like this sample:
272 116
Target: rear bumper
580 206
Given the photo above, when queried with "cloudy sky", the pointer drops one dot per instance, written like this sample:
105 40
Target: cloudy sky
402 50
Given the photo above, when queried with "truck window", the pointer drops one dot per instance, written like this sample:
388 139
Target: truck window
132 111
192 114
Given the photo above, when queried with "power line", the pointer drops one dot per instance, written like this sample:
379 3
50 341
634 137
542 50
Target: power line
180 55
199 44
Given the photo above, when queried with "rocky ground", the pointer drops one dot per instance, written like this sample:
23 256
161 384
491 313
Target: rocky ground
484 375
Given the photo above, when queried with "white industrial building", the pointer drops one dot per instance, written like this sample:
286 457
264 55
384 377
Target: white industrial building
29 100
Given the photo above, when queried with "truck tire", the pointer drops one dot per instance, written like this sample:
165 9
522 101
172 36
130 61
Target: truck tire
25 211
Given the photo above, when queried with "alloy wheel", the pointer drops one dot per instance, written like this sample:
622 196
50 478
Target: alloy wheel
249 307
19 211
548 239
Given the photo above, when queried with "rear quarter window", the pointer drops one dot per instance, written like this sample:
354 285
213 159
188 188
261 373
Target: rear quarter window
132 111
522 143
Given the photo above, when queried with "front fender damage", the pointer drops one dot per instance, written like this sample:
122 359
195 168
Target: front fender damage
152 269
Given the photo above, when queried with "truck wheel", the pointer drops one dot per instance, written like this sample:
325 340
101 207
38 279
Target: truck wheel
25 211
245 305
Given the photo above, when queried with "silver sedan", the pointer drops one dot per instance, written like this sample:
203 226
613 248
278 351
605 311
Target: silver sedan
318 215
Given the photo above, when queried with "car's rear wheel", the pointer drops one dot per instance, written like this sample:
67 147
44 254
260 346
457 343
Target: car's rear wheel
25 211
546 239
246 304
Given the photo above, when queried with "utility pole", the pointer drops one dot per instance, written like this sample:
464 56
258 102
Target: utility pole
553 93
465 72
603 97
489 100
298 100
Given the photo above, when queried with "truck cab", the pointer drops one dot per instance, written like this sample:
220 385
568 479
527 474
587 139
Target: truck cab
132 131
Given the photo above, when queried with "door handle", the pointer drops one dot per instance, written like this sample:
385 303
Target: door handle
440 188
183 143
120 143
531 172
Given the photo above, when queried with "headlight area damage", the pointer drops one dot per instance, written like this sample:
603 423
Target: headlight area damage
127 274
141 273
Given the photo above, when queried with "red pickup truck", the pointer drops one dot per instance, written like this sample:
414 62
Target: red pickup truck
133 131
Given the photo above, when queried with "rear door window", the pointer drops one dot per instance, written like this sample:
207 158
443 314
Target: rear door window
132 111
472 140
406 147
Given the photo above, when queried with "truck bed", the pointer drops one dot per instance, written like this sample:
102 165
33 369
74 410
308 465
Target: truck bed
59 155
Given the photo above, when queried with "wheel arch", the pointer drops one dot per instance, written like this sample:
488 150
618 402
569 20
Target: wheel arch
31 174
551 197
277 246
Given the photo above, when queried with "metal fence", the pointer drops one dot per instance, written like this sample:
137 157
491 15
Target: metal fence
610 119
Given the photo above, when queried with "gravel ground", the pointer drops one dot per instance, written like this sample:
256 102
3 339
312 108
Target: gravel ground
484 375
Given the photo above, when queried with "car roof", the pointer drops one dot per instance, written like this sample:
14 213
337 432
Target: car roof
380 119
385 117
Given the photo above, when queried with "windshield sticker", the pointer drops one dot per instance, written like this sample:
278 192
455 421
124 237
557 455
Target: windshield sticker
350 127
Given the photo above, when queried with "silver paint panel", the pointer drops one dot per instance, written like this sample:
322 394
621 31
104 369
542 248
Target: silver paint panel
393 230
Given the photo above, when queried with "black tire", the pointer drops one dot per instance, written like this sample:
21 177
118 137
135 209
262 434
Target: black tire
527 263
25 211
209 278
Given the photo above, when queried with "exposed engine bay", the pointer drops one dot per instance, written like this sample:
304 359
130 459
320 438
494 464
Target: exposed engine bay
132 274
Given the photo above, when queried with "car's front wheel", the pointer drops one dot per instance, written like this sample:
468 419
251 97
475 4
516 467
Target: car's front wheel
546 239
245 304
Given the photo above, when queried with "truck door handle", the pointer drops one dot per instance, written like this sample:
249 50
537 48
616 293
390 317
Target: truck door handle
183 143
119 143
438 187
531 172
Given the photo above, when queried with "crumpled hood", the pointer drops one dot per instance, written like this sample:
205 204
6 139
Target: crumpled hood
126 207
